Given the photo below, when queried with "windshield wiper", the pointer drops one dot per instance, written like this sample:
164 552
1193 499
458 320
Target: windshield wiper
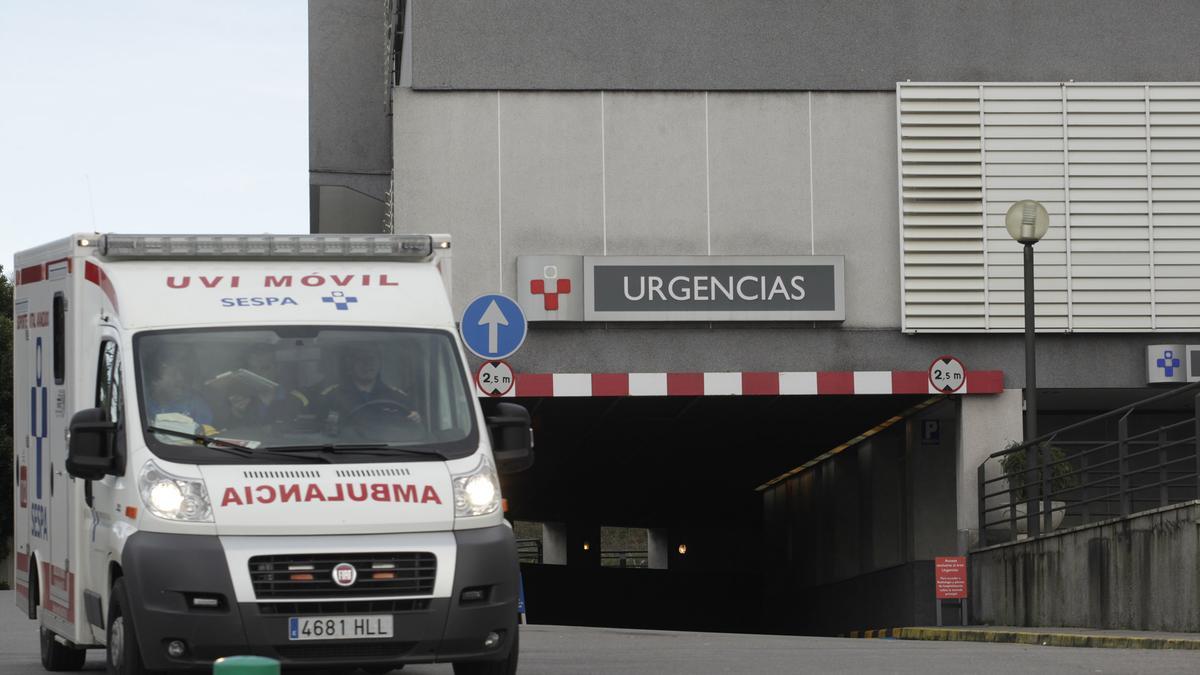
215 443
208 441
375 449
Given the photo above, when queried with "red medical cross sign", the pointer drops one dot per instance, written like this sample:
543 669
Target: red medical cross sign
550 298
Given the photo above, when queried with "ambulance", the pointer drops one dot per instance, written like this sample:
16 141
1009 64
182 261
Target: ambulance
257 445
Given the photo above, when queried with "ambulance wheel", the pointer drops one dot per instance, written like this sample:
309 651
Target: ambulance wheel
57 656
122 656
505 666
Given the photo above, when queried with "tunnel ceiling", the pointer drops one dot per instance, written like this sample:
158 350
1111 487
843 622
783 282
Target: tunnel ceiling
658 460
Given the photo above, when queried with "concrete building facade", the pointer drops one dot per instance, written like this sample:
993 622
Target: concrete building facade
710 129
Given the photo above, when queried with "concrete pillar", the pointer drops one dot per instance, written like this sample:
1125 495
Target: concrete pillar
554 544
583 545
658 548
988 424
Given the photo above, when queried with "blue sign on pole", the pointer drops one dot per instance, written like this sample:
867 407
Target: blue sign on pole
520 593
493 327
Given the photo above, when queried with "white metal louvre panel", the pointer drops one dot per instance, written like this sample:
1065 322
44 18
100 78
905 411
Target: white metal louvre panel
1116 165
1023 152
1109 207
941 194
1175 194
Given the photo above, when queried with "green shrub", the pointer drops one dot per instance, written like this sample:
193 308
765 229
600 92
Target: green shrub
1015 463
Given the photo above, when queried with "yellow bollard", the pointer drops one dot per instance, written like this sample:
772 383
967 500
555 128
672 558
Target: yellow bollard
245 665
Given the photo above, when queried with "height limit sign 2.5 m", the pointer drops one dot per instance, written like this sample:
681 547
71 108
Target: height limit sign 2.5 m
495 378
493 327
947 374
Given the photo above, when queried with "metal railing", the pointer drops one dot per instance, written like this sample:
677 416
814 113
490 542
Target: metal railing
1138 457
625 557
530 551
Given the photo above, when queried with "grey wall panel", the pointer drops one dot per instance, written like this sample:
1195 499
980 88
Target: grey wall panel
550 173
343 210
804 44
759 174
348 129
644 182
655 175
447 181
854 187
1092 360
374 185
988 424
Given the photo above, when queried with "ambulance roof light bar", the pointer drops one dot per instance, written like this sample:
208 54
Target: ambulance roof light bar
308 246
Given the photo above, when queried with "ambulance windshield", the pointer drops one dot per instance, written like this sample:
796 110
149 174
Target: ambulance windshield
287 387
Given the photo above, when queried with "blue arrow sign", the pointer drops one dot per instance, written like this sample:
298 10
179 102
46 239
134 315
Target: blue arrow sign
493 327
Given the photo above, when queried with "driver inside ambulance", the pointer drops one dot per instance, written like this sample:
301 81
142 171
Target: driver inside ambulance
362 385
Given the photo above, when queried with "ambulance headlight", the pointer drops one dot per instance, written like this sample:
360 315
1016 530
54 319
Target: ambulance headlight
477 493
172 497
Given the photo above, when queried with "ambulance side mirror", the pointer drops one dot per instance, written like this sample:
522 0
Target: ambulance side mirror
512 437
91 452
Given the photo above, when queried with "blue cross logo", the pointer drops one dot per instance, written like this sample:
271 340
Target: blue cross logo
1168 363
340 300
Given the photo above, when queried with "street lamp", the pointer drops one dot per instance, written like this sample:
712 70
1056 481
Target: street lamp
1027 222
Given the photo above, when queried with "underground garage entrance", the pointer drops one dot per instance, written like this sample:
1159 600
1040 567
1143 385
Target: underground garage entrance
794 514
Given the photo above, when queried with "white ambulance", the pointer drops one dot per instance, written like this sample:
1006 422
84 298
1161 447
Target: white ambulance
257 445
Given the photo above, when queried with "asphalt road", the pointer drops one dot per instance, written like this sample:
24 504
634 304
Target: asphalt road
557 649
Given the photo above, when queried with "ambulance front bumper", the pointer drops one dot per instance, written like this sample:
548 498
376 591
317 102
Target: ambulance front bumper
166 573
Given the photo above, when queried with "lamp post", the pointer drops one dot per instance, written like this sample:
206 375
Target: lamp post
1027 222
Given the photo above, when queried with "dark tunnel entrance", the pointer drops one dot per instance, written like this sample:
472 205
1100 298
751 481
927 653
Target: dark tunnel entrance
680 474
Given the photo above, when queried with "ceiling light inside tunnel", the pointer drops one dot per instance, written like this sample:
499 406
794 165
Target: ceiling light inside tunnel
586 546
682 549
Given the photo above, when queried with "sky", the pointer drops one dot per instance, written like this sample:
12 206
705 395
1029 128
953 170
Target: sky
152 116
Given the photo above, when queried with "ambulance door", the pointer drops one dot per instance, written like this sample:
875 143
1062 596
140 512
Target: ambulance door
52 427
103 515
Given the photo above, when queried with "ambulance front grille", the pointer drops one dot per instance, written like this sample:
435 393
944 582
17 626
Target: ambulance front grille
324 607
304 576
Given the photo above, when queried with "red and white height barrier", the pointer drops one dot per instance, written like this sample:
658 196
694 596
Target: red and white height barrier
810 383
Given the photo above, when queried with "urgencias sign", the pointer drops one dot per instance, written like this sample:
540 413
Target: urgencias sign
682 288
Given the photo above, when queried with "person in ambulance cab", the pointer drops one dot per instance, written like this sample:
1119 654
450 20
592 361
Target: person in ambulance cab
363 395
170 388
248 408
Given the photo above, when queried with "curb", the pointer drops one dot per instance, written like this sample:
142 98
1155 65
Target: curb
1043 639
880 633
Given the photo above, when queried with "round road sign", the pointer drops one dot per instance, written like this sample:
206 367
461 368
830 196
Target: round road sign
947 374
495 378
493 327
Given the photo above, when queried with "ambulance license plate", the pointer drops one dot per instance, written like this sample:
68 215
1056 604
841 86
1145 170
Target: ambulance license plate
353 627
